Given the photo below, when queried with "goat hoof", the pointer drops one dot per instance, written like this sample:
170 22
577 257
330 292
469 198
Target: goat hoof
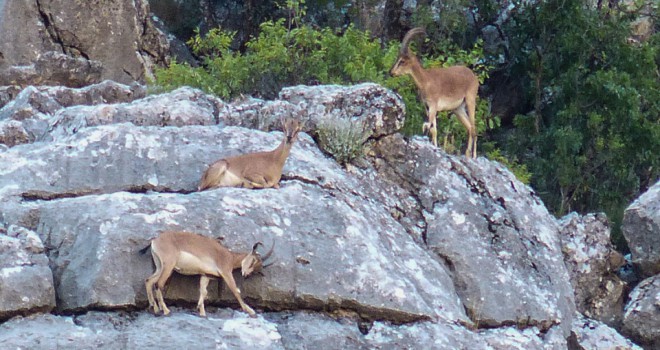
426 127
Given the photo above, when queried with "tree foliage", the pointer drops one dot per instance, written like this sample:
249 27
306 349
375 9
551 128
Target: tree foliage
592 140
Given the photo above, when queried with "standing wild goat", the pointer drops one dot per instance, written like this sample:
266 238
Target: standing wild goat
252 170
192 254
442 89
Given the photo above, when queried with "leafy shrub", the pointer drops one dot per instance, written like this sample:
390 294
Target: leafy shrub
519 170
344 139
281 56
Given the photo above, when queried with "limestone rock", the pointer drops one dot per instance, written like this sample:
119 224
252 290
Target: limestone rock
184 106
54 68
234 330
641 228
30 116
134 331
641 319
119 34
492 232
26 281
592 263
412 246
355 245
378 109
591 334
8 93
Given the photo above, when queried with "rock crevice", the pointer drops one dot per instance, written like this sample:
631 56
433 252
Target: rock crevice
410 242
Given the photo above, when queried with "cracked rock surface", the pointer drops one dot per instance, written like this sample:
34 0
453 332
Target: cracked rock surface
495 236
413 246
592 334
130 46
234 330
592 263
25 277
641 228
641 319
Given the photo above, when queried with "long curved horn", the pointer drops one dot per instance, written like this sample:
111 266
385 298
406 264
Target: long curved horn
269 253
255 246
406 39
269 264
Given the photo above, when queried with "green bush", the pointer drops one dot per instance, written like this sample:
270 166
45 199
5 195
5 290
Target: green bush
281 56
519 170
593 138
344 139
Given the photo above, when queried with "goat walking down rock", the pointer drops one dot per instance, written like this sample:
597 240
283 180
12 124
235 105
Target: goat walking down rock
193 254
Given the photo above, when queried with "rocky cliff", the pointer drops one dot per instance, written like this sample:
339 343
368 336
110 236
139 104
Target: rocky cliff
408 246
71 30
641 227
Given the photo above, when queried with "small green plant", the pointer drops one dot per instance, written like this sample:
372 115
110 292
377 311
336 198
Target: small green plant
344 139
288 52
519 170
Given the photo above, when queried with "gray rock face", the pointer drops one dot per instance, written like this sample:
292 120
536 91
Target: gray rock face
96 330
234 330
8 93
117 33
592 263
26 281
641 228
641 320
283 330
412 247
495 236
184 106
378 109
37 113
590 334
309 222
34 111
53 68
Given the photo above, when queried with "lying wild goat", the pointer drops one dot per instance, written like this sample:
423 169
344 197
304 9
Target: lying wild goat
192 254
442 89
252 170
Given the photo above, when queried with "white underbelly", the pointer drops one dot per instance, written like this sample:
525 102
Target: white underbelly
189 264
230 179
449 105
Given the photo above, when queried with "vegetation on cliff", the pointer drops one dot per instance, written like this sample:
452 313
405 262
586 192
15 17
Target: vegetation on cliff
586 134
